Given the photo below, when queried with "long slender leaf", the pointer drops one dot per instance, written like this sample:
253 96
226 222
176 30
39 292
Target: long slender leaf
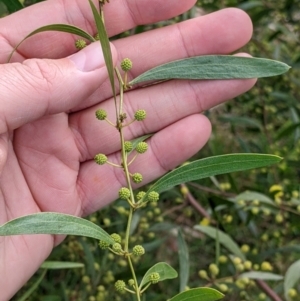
212 166
12 5
198 294
104 41
165 272
261 275
184 262
214 67
58 265
33 287
292 276
54 223
224 239
57 27
253 195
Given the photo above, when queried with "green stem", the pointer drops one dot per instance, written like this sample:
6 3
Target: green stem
128 180
137 289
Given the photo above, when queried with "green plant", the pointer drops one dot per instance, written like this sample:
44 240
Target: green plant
211 67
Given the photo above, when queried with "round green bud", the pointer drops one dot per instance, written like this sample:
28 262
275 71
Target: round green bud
153 196
266 266
103 244
255 210
117 247
128 146
124 193
279 218
237 260
137 178
80 44
262 296
245 248
138 250
126 64
131 282
141 147
140 115
292 293
214 270
203 274
248 265
140 195
116 237
223 259
96 37
154 277
122 263
100 159
223 288
101 114
120 286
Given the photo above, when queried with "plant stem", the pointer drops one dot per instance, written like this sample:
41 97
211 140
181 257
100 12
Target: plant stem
128 180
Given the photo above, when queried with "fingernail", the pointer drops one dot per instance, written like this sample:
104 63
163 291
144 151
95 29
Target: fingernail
89 58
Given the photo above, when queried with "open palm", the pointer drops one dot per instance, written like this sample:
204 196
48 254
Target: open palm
48 130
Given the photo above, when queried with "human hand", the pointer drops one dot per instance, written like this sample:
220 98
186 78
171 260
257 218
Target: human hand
49 133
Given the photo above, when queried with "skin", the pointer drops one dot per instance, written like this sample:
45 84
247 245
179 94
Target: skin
48 130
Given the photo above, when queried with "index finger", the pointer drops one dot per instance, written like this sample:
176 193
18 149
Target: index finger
120 16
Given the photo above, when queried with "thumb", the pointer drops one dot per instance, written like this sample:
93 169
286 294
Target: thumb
39 87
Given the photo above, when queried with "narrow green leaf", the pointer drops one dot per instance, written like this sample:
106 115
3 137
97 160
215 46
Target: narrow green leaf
165 271
287 130
253 195
198 294
212 166
214 67
54 223
242 121
184 262
104 41
292 276
224 239
261 275
57 27
33 287
58 265
12 5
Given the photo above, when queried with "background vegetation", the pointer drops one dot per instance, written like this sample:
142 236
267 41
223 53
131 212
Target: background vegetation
264 222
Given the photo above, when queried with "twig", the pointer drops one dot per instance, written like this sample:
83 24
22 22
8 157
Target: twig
265 287
194 203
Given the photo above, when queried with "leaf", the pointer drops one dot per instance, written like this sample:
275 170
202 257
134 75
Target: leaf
184 262
250 4
165 271
198 294
214 67
242 121
12 5
292 276
104 41
32 288
253 195
58 265
224 239
287 130
54 223
212 166
57 27
261 275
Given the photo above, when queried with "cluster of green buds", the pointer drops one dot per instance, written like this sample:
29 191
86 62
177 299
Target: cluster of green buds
80 44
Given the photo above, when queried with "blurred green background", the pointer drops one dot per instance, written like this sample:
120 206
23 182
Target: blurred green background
265 223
